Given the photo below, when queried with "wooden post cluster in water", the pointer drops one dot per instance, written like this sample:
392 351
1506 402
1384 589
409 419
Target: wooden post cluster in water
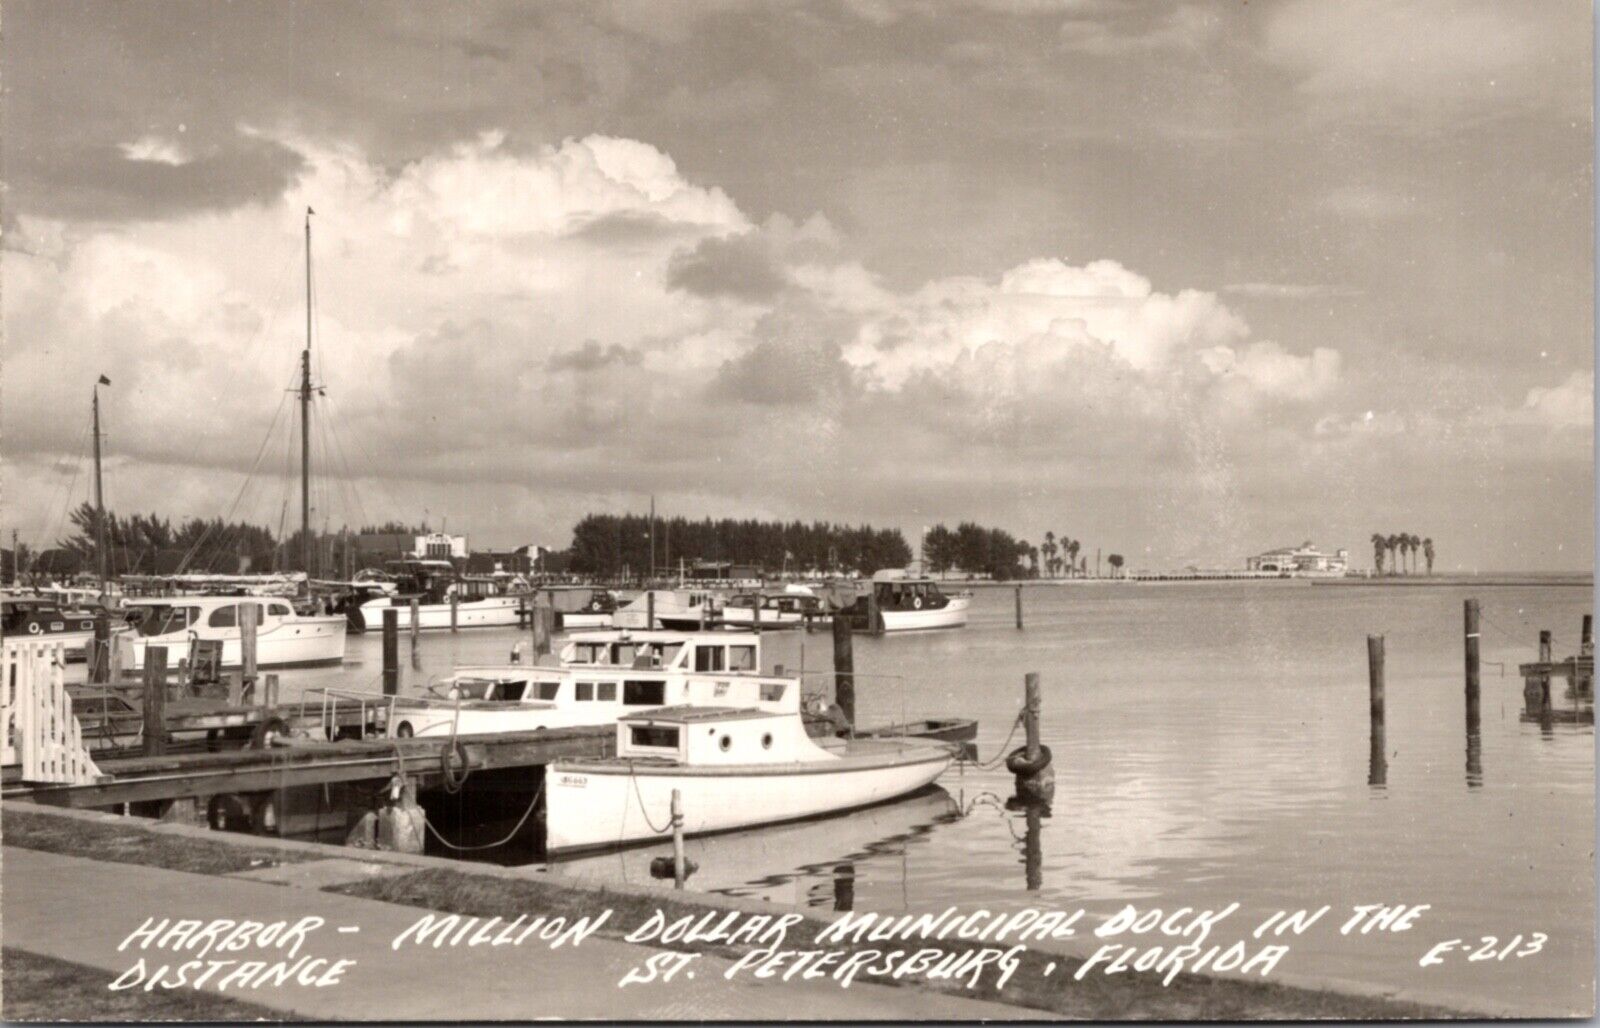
391 649
844 666
1377 758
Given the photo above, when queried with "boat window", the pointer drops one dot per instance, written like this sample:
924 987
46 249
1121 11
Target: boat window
772 692
470 688
281 610
547 690
666 652
585 692
589 653
654 735
766 741
606 692
725 742
512 691
622 654
224 617
644 694
741 658
710 658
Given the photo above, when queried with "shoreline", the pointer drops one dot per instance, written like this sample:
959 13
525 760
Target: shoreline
450 886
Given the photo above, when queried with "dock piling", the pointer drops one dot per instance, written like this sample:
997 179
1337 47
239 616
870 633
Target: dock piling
1471 636
249 617
1031 762
416 627
155 701
844 666
269 692
1377 757
391 649
100 649
455 611
1019 607
650 610
679 871
543 629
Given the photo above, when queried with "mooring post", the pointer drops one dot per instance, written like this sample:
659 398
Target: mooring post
874 615
1375 680
1470 617
1019 605
679 871
155 701
269 692
391 650
1544 646
1032 764
844 666
100 649
1030 713
1545 657
1586 637
544 628
650 609
1377 758
249 616
455 610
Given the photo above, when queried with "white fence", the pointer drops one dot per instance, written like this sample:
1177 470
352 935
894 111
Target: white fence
37 726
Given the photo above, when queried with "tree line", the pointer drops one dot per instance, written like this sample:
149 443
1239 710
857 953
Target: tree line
607 545
1392 550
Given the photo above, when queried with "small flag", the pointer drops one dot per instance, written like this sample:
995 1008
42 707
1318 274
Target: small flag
104 380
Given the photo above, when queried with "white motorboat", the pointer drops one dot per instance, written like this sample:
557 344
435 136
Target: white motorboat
681 609
796 605
439 594
599 677
577 611
907 603
733 768
44 618
283 637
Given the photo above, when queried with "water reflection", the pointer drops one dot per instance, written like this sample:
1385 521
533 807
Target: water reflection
1033 814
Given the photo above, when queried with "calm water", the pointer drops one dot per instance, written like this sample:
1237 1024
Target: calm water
1210 745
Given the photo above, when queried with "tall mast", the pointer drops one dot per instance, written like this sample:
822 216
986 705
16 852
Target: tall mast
99 493
306 550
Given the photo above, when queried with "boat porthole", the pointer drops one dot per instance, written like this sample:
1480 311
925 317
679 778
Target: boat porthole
766 741
725 742
403 730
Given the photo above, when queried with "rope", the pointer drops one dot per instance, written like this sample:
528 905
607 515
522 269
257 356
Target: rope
651 824
452 784
1000 755
491 845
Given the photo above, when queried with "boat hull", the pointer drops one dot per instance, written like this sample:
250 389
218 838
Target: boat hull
592 805
494 612
582 620
305 642
951 615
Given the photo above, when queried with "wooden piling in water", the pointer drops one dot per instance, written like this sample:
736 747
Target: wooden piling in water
1019 607
679 870
455 611
1470 617
650 609
249 617
543 628
391 649
100 649
874 615
1544 646
155 701
1030 714
844 666
1375 681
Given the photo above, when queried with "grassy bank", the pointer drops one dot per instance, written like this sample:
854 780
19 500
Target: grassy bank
46 989
479 891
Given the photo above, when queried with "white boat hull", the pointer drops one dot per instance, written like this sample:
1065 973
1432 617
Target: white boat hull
582 620
303 642
494 612
591 805
745 616
951 615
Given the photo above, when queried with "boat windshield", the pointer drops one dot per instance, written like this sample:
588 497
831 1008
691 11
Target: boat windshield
626 654
162 618
472 688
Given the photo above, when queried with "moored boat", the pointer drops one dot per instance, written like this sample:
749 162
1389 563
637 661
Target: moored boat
678 609
478 602
45 619
796 605
284 638
905 603
599 677
733 768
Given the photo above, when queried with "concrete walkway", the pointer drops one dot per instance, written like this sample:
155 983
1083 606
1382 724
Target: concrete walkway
80 910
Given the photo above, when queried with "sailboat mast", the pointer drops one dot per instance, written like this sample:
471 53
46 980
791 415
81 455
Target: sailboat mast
99 496
306 549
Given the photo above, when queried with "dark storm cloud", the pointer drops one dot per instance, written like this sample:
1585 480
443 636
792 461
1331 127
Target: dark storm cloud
591 356
741 268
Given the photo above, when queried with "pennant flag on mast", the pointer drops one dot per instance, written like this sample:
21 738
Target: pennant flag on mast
104 381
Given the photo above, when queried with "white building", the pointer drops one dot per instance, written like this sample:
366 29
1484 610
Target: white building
1300 560
438 546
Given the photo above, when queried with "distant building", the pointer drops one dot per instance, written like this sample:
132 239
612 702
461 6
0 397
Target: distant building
1300 560
438 546
378 547
524 560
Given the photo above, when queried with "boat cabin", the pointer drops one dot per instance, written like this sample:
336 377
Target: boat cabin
152 617
716 736
704 652
38 616
907 594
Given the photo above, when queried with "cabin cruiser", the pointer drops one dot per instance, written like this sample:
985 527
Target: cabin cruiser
908 602
479 602
796 605
574 610
682 609
733 767
284 638
598 677
47 619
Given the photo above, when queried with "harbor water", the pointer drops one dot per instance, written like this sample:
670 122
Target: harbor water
1211 746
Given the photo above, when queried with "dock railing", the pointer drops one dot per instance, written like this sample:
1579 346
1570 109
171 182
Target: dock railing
37 725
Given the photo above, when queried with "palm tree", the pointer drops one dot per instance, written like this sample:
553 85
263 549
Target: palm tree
1393 544
1072 551
1377 552
1427 553
1049 550
1416 546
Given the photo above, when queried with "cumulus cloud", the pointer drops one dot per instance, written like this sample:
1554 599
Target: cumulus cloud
1568 405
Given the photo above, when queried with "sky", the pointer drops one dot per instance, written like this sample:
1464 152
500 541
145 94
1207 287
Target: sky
1183 281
